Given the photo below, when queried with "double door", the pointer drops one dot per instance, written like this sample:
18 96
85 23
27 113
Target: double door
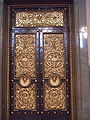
40 74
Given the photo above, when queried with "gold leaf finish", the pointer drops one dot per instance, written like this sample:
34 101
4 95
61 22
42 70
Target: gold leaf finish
54 56
25 98
54 80
25 55
25 80
55 98
39 18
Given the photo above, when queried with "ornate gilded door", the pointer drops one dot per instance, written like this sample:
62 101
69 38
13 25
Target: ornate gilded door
39 71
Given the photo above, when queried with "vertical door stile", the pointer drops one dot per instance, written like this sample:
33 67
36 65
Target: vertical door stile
38 70
41 68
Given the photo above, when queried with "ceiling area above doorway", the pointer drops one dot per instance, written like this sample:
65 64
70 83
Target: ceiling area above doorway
38 1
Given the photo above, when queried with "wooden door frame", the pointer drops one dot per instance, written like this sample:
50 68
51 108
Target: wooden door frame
6 48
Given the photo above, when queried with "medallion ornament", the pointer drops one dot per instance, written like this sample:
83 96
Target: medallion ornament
54 80
25 80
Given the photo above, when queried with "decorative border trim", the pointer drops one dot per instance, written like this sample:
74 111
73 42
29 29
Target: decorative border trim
40 5
72 77
8 59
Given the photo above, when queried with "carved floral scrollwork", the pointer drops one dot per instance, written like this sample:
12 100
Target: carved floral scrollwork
54 70
25 92
39 18
25 98
54 56
25 55
55 98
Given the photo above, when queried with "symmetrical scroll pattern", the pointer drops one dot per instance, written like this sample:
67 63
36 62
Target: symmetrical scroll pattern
25 98
54 56
55 98
39 18
25 55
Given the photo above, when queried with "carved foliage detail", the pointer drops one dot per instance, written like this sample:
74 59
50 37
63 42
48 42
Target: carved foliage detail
55 98
54 56
25 98
39 18
25 55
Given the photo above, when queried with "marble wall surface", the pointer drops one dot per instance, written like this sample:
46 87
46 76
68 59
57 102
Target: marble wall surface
88 26
88 30
81 61
1 31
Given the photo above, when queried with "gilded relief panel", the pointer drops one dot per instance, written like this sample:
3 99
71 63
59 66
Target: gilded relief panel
25 98
54 56
25 55
39 18
55 97
25 92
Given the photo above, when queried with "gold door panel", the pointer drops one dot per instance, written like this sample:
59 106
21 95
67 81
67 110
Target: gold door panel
25 55
54 56
25 98
25 71
54 71
55 97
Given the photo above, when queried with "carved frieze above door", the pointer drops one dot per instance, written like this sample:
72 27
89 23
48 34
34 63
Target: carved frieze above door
39 18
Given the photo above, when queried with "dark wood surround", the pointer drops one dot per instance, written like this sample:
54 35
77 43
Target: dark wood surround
38 1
